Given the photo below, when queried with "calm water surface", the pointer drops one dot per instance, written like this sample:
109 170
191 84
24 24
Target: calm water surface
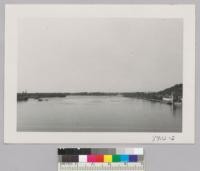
98 114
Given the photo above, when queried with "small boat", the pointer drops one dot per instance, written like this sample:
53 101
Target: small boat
168 100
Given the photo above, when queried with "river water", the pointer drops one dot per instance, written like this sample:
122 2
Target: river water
97 114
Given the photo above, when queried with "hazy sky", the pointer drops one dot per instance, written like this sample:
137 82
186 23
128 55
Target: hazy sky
121 54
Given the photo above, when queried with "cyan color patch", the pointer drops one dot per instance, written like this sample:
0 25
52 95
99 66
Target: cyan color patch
124 158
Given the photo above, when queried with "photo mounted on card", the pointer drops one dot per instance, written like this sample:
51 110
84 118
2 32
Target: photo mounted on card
99 73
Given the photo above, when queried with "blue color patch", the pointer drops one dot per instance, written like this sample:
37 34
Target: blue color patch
124 158
133 158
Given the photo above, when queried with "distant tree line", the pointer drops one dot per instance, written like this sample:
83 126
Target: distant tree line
176 91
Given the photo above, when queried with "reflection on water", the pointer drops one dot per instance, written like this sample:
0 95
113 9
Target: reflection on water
98 114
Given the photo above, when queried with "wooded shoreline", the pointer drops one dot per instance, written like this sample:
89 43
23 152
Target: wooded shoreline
176 91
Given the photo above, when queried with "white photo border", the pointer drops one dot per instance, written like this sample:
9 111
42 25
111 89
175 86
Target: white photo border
14 12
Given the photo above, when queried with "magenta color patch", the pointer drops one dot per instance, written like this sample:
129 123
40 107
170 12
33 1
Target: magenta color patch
91 158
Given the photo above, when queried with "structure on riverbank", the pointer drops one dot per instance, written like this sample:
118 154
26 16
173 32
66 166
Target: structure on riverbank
169 96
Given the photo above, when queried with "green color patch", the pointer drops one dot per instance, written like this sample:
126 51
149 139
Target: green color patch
116 158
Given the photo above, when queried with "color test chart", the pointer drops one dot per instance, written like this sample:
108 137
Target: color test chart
101 159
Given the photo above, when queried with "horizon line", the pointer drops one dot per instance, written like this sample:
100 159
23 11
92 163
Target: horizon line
101 91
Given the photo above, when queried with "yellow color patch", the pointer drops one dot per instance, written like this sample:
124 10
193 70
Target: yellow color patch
108 158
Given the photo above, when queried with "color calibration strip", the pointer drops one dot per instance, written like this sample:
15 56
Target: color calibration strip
101 159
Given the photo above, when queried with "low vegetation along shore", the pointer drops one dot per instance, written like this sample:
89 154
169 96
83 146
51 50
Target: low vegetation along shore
170 95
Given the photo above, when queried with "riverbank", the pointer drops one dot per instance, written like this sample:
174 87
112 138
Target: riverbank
160 96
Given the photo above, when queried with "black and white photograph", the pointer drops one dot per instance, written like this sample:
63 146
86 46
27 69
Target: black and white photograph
100 75
105 74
